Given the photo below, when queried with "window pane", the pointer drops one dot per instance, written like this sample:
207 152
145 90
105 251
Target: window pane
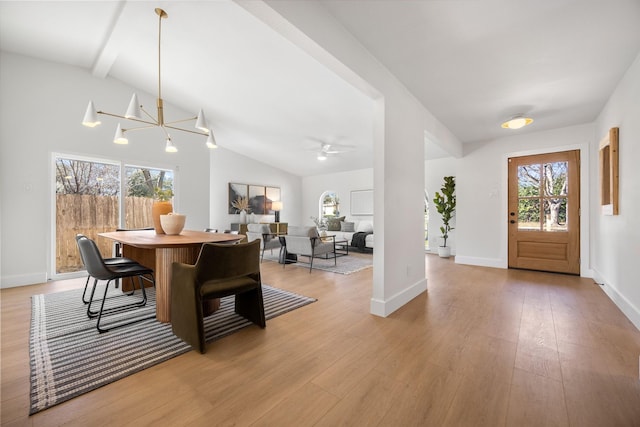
528 180
141 185
555 179
529 214
555 214
87 202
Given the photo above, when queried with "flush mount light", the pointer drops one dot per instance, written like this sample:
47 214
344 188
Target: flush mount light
137 113
517 122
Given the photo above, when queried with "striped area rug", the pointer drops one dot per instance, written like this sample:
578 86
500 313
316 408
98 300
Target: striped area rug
68 356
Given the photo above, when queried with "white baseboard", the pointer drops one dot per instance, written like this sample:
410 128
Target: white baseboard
384 308
22 279
482 262
629 310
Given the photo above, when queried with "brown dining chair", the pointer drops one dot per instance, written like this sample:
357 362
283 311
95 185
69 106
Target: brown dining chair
221 270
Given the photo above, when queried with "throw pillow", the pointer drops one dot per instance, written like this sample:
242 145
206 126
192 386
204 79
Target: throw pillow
333 224
365 227
348 227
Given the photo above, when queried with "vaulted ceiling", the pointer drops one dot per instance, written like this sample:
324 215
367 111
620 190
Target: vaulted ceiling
471 63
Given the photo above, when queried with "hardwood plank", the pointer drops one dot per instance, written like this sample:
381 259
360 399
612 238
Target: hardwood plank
482 347
536 401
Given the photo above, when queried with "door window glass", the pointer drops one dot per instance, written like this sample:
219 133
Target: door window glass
542 197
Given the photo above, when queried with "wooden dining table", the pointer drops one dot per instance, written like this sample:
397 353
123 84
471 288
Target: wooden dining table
159 251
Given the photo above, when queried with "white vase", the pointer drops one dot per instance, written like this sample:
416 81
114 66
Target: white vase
243 217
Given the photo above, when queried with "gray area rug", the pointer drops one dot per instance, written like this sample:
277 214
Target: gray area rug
68 357
345 265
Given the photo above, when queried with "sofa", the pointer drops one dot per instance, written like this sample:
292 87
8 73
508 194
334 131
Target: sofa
344 228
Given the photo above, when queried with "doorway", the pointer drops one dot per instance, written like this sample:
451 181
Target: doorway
544 212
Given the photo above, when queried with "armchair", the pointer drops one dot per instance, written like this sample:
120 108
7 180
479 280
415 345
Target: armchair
220 270
305 241
263 233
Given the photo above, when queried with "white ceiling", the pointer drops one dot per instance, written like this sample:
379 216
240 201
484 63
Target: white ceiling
471 63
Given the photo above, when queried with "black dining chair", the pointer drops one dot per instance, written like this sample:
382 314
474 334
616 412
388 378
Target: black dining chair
118 260
96 267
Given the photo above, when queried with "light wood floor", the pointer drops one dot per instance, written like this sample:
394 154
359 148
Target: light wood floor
483 347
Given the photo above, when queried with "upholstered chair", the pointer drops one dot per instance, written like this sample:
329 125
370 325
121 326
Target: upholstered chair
220 271
263 233
305 241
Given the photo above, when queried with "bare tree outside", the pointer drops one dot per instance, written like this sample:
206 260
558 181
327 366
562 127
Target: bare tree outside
542 194
89 178
88 202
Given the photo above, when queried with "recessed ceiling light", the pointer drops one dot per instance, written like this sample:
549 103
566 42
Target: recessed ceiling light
517 122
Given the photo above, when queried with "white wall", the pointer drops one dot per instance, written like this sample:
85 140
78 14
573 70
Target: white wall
42 105
342 184
481 187
616 239
400 124
228 166
434 173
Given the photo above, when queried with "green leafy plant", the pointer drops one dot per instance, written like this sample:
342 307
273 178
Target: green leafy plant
163 195
446 205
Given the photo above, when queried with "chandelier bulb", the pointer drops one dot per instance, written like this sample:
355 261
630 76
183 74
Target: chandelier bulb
119 138
201 122
133 111
211 140
170 148
91 116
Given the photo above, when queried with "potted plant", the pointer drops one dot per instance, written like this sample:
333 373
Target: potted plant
446 206
161 206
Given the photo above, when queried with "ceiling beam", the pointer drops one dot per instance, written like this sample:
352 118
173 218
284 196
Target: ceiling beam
110 48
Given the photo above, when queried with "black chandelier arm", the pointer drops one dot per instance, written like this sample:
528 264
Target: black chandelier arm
185 130
126 118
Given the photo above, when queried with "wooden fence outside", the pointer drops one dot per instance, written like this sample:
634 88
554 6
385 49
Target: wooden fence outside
90 215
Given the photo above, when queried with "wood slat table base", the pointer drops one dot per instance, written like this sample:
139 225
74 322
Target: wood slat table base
159 251
160 259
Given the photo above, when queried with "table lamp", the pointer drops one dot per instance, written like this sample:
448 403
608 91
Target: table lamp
277 207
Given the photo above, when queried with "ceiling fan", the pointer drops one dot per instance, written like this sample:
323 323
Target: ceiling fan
328 149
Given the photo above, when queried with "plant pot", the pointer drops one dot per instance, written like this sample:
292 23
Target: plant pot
172 223
160 208
444 251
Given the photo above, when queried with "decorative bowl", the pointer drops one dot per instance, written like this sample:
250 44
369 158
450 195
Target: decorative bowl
172 223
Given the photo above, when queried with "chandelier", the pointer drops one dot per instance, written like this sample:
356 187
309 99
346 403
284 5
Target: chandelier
135 113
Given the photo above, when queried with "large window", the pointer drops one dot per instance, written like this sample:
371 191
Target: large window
329 205
88 200
141 184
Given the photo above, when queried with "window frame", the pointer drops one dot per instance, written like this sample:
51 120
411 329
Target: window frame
122 165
